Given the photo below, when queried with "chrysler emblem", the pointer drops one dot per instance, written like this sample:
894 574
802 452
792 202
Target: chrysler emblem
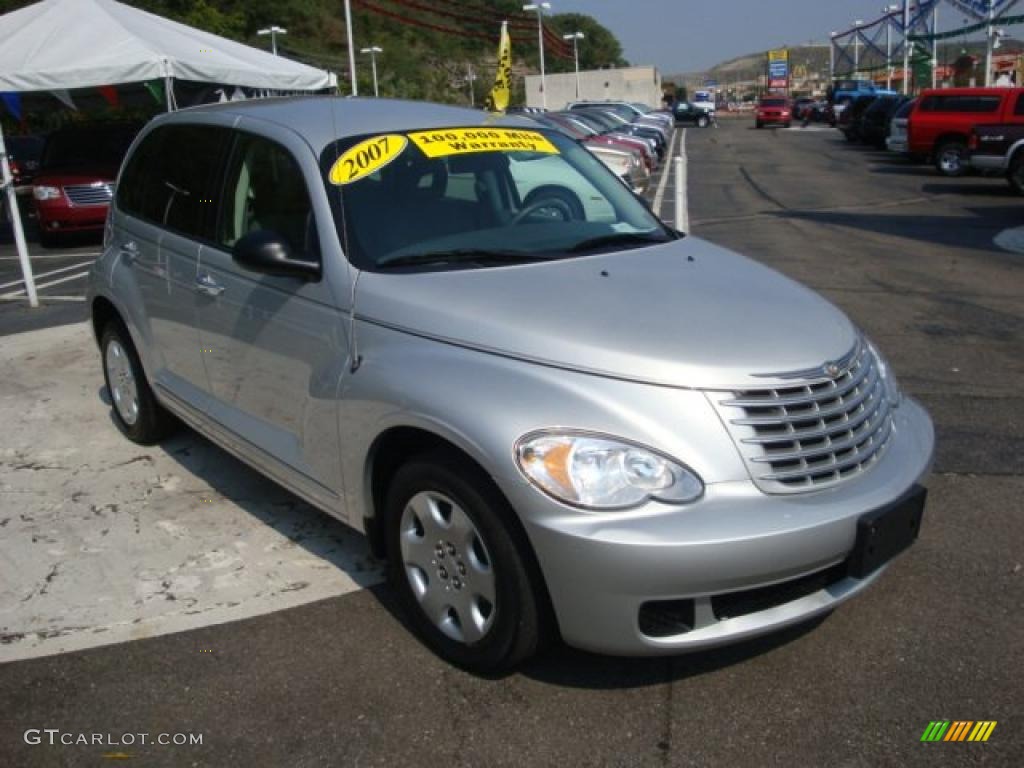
832 370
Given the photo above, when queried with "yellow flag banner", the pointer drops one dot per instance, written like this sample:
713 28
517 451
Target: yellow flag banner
497 100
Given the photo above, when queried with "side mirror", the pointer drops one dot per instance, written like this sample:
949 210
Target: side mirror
267 252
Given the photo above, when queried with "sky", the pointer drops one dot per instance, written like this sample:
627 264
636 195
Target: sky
692 35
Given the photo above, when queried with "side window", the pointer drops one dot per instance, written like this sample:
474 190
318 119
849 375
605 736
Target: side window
136 183
171 179
929 104
1019 108
266 190
987 103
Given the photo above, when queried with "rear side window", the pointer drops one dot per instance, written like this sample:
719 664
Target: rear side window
172 178
266 190
1019 108
961 104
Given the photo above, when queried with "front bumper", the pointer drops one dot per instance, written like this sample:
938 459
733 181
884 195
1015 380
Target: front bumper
59 216
897 144
601 569
988 163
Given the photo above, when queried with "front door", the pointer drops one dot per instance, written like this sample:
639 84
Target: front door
274 346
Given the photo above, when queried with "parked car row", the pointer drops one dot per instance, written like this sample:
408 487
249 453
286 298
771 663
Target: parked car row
955 129
630 138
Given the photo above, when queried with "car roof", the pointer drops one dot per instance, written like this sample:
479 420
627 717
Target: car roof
991 91
321 120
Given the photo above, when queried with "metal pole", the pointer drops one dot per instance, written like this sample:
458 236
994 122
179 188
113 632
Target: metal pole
351 48
856 51
832 59
888 52
935 46
7 180
273 41
906 47
540 41
576 58
990 35
373 65
469 79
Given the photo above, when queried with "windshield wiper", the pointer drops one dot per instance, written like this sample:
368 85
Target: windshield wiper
619 238
463 255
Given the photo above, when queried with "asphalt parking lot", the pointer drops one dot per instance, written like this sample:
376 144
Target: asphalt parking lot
335 679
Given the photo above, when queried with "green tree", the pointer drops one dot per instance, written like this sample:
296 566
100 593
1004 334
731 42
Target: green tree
599 49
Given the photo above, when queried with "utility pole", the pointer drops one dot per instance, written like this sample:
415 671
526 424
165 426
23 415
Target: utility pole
856 47
351 48
273 31
935 45
832 58
540 8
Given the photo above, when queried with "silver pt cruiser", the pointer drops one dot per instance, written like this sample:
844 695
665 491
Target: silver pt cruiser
465 337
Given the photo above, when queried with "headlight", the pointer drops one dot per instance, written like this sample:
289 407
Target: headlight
892 387
46 193
602 473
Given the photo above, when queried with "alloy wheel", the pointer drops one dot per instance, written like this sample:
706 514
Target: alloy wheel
123 388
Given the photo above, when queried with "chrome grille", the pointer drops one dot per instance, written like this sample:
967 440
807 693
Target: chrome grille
811 434
99 193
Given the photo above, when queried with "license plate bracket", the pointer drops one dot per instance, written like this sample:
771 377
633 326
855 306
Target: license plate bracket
884 533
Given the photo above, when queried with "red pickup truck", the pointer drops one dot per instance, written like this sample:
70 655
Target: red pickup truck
942 120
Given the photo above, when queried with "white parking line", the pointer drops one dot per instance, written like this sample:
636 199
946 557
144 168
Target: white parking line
41 275
40 286
683 225
666 171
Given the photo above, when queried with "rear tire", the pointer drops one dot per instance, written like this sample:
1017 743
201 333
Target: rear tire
136 411
1015 176
951 158
702 122
459 565
759 125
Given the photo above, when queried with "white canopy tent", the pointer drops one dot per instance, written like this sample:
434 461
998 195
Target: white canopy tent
56 45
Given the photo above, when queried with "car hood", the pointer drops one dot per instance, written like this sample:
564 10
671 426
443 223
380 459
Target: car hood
685 314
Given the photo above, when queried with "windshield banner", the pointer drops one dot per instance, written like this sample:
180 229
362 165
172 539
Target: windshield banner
462 141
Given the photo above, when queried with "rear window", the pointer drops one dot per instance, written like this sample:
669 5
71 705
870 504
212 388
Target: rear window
961 103
773 102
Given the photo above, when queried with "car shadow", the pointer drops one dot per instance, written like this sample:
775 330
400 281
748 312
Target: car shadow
957 232
318 533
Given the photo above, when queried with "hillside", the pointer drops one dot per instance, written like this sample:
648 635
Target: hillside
429 45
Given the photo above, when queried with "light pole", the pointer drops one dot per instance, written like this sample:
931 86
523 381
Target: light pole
935 45
906 47
856 46
832 57
576 37
273 31
351 48
373 50
540 8
889 10
470 77
990 37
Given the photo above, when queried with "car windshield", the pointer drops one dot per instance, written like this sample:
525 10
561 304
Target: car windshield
27 148
773 102
473 197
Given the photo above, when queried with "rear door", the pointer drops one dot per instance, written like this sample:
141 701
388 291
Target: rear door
165 210
275 347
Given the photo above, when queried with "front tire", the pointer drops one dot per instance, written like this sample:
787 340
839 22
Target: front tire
136 411
459 565
702 122
1015 176
951 158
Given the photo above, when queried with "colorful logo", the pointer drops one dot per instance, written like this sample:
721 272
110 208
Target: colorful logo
958 730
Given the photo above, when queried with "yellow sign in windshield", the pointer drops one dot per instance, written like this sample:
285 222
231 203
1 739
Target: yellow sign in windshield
366 157
445 142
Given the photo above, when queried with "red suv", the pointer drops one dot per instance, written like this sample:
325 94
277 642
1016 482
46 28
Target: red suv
75 182
941 122
774 111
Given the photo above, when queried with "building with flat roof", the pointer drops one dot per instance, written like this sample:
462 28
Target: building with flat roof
641 84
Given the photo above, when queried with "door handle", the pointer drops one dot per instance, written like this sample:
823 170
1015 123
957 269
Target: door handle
129 251
208 286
